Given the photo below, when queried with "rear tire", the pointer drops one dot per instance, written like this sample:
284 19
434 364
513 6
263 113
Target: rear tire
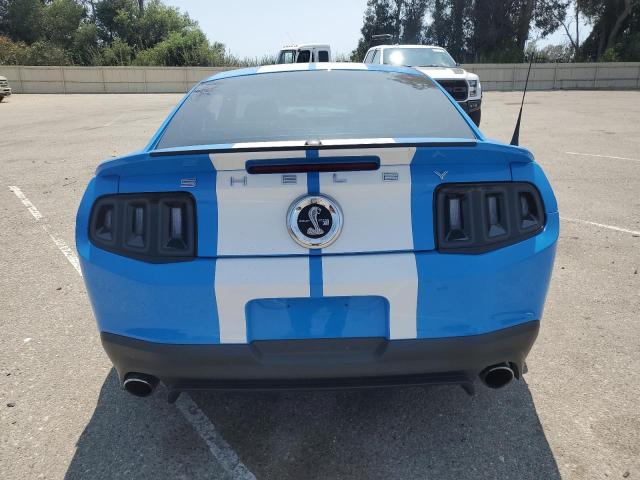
1 98
476 117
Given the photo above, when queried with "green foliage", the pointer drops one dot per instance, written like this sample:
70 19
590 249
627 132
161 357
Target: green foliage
39 52
86 48
21 20
119 53
615 35
106 32
12 53
159 21
189 48
60 19
46 53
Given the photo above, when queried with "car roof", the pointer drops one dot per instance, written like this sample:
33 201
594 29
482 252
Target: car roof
305 45
297 67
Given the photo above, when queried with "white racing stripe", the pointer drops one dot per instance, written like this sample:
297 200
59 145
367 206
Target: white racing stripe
239 280
372 225
393 276
207 431
289 67
65 249
252 213
387 155
602 156
601 225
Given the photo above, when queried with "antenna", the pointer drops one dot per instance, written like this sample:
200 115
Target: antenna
516 133
290 39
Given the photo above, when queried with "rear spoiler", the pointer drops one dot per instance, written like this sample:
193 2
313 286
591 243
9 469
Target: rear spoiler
314 145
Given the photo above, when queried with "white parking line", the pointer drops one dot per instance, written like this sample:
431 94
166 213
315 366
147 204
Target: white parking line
207 431
603 156
108 124
219 448
601 225
60 243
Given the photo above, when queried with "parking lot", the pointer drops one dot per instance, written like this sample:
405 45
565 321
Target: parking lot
576 415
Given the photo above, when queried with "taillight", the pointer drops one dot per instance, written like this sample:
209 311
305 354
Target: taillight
153 227
478 217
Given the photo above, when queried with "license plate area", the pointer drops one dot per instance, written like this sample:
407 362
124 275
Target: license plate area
313 318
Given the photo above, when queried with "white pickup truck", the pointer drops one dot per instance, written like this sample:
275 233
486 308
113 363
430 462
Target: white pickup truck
305 53
436 62
5 90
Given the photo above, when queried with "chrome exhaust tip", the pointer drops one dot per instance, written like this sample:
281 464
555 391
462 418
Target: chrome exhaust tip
139 384
497 376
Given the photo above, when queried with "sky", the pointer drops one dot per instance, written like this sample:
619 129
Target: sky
253 28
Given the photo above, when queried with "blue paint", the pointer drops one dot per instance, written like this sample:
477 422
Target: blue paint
315 258
328 317
315 273
313 183
472 294
531 172
167 303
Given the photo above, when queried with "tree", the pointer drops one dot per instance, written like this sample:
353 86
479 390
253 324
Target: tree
378 20
615 30
109 14
413 20
60 20
119 53
189 48
452 27
491 30
21 20
157 21
402 19
86 48
567 25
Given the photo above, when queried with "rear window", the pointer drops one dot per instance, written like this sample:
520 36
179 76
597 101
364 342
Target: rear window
314 105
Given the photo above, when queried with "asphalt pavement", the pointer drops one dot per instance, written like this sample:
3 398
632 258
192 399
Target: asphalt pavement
575 416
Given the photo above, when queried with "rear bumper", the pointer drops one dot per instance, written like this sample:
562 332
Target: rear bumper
321 363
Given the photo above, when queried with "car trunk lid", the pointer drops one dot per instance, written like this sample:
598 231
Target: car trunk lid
385 192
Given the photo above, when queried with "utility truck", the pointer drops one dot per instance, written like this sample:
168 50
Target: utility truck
305 53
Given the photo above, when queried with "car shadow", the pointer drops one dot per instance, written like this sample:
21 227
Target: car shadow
131 438
435 432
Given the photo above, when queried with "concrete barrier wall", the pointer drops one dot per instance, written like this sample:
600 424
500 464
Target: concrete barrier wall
560 76
502 77
105 79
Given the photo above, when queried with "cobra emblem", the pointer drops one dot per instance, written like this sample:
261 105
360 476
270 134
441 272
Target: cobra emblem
313 216
314 221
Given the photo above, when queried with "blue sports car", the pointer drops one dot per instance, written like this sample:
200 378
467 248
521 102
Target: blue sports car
318 226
